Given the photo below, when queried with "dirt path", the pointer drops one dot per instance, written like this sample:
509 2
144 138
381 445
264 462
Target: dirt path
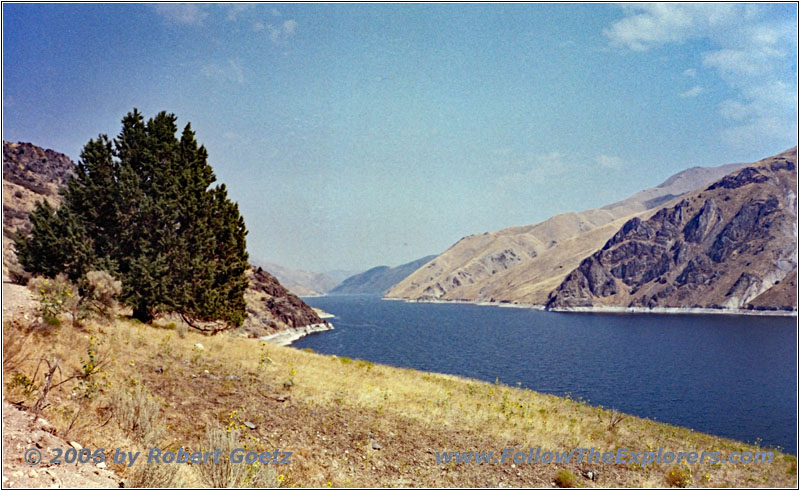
17 300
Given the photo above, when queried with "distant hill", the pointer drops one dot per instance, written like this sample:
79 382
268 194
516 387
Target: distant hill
31 173
339 275
301 283
524 264
378 280
732 244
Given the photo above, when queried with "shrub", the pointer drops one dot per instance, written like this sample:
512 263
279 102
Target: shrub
16 348
679 477
137 412
18 275
227 474
56 296
146 475
566 479
101 294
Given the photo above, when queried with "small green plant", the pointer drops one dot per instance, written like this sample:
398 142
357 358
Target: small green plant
263 359
566 479
87 381
165 346
56 296
23 382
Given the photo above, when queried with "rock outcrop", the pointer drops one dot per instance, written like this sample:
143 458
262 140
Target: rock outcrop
724 246
271 308
524 264
30 174
299 282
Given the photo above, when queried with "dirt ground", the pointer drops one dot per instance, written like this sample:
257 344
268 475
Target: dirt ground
20 433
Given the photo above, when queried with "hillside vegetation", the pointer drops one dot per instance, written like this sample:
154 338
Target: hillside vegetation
348 423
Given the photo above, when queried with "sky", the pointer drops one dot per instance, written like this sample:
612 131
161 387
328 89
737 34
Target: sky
357 135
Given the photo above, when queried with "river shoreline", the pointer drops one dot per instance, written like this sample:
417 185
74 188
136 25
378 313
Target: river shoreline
612 309
285 338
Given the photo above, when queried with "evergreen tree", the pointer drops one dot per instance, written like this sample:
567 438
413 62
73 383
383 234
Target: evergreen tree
143 209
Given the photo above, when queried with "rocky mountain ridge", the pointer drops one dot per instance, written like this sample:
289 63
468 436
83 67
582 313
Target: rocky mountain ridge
524 264
723 246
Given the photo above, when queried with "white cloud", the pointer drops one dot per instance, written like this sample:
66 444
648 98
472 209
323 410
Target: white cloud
232 72
693 92
654 24
746 50
610 162
182 13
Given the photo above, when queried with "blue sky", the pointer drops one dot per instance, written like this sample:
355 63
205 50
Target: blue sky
358 135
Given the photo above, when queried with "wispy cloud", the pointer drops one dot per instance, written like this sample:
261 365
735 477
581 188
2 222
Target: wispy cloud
532 169
236 9
182 13
232 72
746 50
693 92
282 32
610 162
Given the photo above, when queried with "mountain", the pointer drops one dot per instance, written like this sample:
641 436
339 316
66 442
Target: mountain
339 275
31 173
378 280
732 244
299 282
524 264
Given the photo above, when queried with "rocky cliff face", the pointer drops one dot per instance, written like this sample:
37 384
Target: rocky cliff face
31 173
272 308
524 264
299 282
724 246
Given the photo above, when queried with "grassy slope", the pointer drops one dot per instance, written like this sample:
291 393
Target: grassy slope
337 408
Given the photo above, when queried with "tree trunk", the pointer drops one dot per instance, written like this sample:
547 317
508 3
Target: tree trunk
142 313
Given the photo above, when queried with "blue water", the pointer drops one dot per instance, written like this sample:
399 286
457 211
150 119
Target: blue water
733 376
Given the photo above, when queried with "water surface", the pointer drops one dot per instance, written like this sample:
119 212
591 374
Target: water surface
733 376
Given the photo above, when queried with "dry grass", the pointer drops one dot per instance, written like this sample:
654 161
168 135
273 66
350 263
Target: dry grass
351 423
